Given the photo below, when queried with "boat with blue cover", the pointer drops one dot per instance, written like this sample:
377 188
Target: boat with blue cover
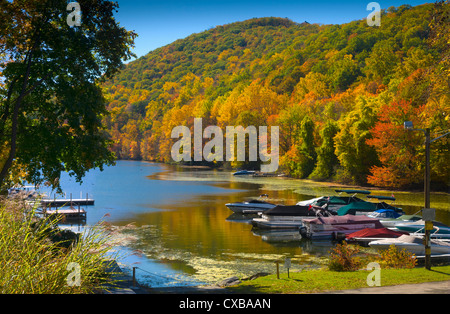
384 214
333 203
364 207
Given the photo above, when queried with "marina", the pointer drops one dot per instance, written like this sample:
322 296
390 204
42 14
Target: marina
186 235
66 209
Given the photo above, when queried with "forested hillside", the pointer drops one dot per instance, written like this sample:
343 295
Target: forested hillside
339 93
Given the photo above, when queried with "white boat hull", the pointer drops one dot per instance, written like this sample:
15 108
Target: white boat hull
415 248
248 207
279 222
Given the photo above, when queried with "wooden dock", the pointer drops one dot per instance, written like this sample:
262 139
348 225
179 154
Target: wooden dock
67 202
67 213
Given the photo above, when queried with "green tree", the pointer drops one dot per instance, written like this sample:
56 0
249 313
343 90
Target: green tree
356 157
306 150
380 65
51 106
343 72
326 158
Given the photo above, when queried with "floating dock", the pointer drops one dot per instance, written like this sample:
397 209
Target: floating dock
69 213
67 202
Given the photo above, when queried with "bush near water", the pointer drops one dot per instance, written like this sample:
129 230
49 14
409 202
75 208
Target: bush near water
346 257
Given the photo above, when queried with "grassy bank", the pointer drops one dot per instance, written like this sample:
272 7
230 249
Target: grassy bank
324 280
37 257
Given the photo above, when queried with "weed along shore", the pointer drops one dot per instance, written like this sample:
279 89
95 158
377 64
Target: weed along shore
40 258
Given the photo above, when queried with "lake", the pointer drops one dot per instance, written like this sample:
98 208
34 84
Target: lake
174 225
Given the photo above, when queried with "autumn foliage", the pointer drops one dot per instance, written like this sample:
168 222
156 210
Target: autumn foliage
339 93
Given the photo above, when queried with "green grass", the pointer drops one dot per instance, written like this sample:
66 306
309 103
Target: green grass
324 280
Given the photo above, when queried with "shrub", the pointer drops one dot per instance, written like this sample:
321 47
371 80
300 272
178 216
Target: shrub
343 258
395 258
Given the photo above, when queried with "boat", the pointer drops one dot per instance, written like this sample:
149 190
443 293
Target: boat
334 227
367 235
392 222
384 214
313 201
287 216
363 207
333 203
250 207
413 244
29 193
244 172
440 230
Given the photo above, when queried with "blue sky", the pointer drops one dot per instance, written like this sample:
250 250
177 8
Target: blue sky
159 23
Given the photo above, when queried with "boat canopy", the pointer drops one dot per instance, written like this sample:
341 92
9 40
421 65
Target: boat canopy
353 191
387 198
364 206
375 233
347 219
290 210
337 200
352 208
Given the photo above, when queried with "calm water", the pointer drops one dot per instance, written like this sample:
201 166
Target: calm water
184 234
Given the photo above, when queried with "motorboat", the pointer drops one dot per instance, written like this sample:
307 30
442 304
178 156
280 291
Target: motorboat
27 192
384 214
250 207
440 230
363 207
244 172
334 203
413 244
313 201
336 226
287 216
393 222
367 235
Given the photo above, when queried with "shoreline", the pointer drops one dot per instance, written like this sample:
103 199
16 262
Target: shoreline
330 184
439 200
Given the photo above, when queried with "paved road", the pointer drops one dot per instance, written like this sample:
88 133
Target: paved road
437 287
